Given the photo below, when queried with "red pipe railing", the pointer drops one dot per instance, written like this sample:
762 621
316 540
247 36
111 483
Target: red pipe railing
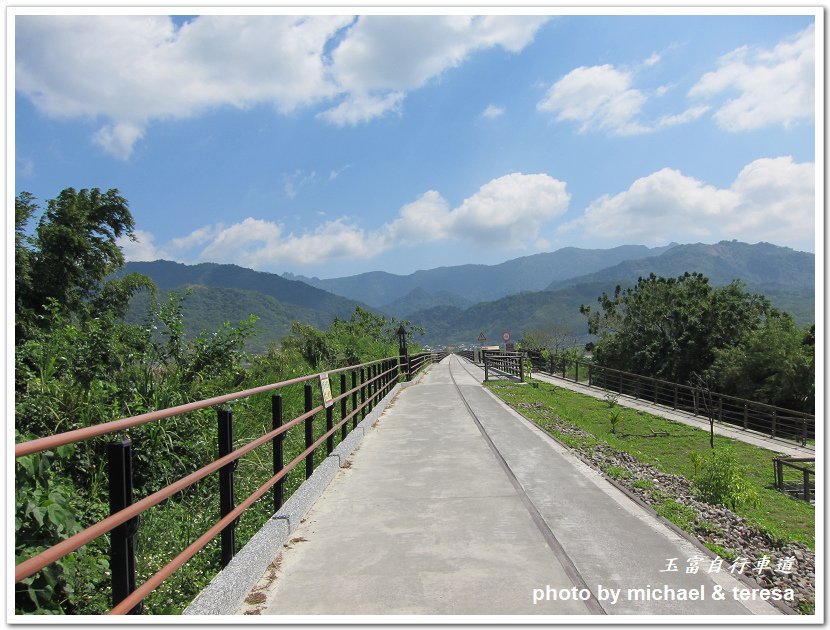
381 383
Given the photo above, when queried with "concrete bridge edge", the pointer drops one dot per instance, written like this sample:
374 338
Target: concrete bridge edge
229 587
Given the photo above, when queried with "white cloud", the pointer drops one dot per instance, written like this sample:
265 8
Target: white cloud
360 108
691 114
492 111
127 71
141 247
507 212
771 199
653 60
118 140
598 98
774 87
296 181
425 219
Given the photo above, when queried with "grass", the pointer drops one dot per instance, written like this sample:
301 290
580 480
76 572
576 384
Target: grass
782 517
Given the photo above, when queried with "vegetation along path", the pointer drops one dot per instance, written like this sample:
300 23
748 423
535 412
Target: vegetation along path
455 504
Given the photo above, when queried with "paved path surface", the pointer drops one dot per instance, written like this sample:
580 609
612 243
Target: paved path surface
454 507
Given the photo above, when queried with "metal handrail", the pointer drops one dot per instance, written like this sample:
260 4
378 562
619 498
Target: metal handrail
56 552
723 406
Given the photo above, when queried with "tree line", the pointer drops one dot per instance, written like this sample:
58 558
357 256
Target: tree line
687 331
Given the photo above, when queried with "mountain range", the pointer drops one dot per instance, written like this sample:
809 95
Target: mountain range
456 304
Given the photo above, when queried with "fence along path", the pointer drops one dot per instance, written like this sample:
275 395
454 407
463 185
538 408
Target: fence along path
370 382
454 504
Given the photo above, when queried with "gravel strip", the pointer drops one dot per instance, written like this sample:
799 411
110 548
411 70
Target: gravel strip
714 524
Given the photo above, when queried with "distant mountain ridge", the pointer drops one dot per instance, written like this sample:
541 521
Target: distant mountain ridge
230 293
220 293
785 276
477 283
758 265
168 275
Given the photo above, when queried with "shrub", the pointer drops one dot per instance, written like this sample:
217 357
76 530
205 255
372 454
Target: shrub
719 480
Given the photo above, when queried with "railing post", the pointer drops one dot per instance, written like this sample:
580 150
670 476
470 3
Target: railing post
521 368
225 417
279 456
576 373
344 428
403 352
309 430
122 542
329 427
486 373
774 418
590 375
675 396
362 393
779 474
354 399
806 484
746 416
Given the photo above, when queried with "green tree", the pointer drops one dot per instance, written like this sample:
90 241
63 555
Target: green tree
671 327
774 363
73 250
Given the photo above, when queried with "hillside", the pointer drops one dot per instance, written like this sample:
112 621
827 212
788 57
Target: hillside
419 300
221 293
758 265
515 313
208 308
785 276
477 283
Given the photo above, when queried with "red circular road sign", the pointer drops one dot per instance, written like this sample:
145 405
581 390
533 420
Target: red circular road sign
505 335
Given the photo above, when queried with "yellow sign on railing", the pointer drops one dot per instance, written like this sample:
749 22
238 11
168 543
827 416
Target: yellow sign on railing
325 388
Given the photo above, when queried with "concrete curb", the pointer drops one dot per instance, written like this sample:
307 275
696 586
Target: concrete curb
228 589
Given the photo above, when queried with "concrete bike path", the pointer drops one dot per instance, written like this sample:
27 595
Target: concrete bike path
430 518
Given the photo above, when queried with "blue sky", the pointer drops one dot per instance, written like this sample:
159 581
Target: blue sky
330 145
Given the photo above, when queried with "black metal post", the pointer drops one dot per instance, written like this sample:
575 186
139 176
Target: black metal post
521 368
354 399
362 393
225 418
344 428
329 427
122 541
279 456
403 353
486 372
309 431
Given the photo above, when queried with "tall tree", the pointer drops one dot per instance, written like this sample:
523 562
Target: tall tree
75 246
671 327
